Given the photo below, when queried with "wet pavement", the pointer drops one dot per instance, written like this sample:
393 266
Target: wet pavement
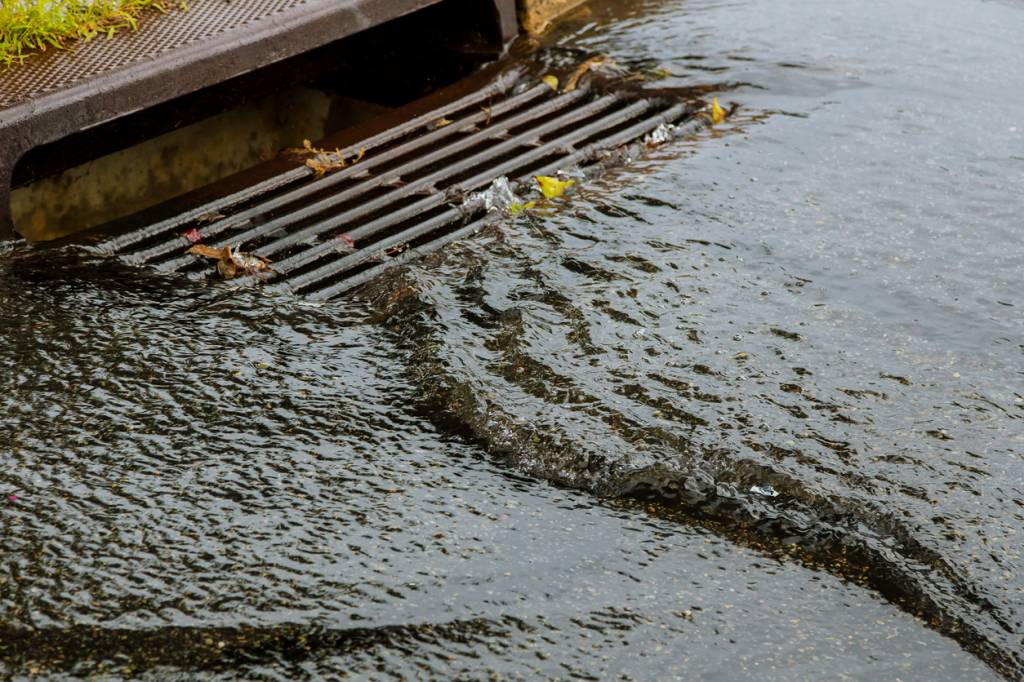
752 408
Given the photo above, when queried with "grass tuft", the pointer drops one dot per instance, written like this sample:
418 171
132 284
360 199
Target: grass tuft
30 26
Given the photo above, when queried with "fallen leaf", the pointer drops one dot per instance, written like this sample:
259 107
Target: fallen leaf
193 235
442 122
209 218
209 251
717 112
323 166
516 209
323 160
552 81
574 79
553 187
231 263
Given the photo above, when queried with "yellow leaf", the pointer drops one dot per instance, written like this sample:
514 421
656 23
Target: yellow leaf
442 122
553 187
717 112
552 81
516 209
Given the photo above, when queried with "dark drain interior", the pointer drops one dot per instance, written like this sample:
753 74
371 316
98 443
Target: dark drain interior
142 159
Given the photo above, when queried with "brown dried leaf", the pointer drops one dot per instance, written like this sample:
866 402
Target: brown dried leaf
210 252
230 263
574 78
397 249
324 160
209 218
326 163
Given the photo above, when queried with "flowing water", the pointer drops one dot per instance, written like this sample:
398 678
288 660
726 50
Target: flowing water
752 408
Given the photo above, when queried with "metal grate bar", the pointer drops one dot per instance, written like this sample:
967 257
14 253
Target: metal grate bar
309 211
365 276
125 241
360 256
479 180
673 113
425 184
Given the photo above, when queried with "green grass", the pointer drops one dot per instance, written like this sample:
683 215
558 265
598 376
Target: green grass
31 26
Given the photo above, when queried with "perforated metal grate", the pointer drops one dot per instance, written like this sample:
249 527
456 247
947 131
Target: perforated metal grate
158 34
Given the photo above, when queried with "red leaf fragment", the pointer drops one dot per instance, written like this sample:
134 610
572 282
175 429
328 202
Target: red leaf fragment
397 249
349 242
193 235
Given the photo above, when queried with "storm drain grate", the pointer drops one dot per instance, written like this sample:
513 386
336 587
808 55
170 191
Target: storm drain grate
407 196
